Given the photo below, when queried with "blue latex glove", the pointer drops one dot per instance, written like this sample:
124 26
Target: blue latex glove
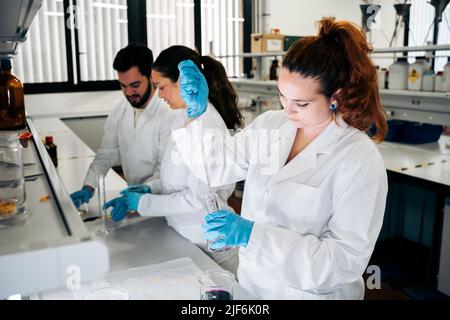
132 199
82 196
120 208
193 88
139 188
226 229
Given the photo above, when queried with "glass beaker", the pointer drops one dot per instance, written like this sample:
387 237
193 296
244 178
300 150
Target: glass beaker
12 182
216 285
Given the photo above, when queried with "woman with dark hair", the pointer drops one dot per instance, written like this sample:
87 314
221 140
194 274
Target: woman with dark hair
316 184
178 194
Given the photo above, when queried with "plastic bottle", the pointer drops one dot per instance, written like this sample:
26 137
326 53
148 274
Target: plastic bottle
438 80
381 73
398 74
444 141
446 77
428 81
51 148
415 74
12 107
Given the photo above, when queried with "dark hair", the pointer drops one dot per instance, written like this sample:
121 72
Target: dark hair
134 55
338 57
221 92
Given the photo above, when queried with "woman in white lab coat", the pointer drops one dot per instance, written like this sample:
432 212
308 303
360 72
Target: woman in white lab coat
178 194
316 184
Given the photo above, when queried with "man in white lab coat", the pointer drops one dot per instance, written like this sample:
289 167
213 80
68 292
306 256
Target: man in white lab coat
137 129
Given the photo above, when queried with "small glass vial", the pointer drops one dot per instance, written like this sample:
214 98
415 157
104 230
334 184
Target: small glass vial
212 205
12 183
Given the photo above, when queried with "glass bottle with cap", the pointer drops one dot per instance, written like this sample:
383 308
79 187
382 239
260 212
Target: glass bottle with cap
12 106
51 148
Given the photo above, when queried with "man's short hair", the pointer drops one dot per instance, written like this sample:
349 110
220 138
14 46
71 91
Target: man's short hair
134 55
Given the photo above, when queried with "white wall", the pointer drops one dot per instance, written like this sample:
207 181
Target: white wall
297 17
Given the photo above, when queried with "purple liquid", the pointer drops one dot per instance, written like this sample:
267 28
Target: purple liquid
217 295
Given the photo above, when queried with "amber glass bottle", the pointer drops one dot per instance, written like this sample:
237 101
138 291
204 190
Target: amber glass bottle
12 107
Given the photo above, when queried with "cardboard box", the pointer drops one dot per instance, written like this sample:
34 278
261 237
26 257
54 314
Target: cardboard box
267 42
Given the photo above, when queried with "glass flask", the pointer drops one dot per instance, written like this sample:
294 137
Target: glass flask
12 182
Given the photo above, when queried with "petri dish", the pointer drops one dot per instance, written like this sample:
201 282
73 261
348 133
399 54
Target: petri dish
107 293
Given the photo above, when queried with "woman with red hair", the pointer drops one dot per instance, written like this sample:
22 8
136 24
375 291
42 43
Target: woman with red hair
316 185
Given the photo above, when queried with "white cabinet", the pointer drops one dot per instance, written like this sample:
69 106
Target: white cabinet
53 245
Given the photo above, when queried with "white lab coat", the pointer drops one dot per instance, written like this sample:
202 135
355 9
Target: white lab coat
179 195
316 219
138 149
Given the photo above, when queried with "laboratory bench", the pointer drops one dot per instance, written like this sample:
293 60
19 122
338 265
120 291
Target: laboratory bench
38 258
419 166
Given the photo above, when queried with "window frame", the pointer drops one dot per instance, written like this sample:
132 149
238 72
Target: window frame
137 32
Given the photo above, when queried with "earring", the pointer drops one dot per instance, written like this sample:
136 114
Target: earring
333 108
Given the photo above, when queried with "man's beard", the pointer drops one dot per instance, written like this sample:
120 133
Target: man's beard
143 100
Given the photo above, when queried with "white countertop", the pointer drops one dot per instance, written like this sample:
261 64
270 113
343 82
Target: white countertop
419 161
71 104
137 241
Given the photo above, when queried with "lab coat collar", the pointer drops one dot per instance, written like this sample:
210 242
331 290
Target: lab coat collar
149 111
325 143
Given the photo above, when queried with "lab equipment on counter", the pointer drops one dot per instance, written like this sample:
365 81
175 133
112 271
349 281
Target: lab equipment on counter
12 106
216 285
51 149
101 202
12 183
